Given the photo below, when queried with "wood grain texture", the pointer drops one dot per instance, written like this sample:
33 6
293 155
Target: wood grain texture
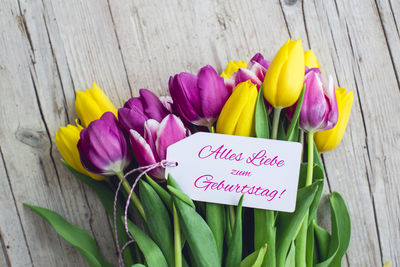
50 48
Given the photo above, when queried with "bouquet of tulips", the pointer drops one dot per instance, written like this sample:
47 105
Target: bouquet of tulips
125 149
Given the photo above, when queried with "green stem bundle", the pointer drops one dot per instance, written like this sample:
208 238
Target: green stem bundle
135 199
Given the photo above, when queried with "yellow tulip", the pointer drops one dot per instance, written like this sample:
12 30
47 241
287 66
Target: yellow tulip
232 67
91 104
237 115
283 82
329 139
66 140
310 60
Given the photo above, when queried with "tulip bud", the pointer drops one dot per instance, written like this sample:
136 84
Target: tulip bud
310 60
329 139
152 147
137 110
284 79
199 99
103 147
66 140
92 104
319 109
237 115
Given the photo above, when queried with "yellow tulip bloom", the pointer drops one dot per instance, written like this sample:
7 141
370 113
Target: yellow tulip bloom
91 104
66 140
329 139
283 82
237 115
232 67
310 60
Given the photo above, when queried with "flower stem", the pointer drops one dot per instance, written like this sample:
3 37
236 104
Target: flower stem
310 160
211 129
301 240
177 239
275 123
134 199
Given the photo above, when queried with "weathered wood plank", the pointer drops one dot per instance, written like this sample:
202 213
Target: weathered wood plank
362 61
14 247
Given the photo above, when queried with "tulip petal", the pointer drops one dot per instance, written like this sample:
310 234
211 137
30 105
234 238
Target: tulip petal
329 139
134 102
232 67
167 102
229 84
232 109
171 131
141 149
150 135
183 90
243 75
152 106
245 124
259 71
213 93
332 116
131 119
259 58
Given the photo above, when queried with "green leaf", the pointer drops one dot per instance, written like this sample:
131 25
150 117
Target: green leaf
261 116
318 174
234 254
106 196
310 246
317 158
295 119
215 217
341 231
281 130
293 136
323 239
291 257
256 258
288 224
315 203
182 196
138 265
152 253
162 193
199 236
265 232
77 237
158 223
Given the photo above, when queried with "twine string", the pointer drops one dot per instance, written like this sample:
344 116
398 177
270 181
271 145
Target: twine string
144 169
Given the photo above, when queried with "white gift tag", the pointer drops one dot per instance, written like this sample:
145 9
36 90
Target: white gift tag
220 168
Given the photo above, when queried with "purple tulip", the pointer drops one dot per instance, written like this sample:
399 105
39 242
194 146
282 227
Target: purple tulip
319 110
199 98
151 147
103 147
255 72
137 110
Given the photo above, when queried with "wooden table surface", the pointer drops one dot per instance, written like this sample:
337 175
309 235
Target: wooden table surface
50 48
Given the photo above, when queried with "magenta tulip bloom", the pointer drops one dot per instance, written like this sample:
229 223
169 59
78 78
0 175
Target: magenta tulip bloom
255 72
199 98
319 110
151 147
103 147
147 106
